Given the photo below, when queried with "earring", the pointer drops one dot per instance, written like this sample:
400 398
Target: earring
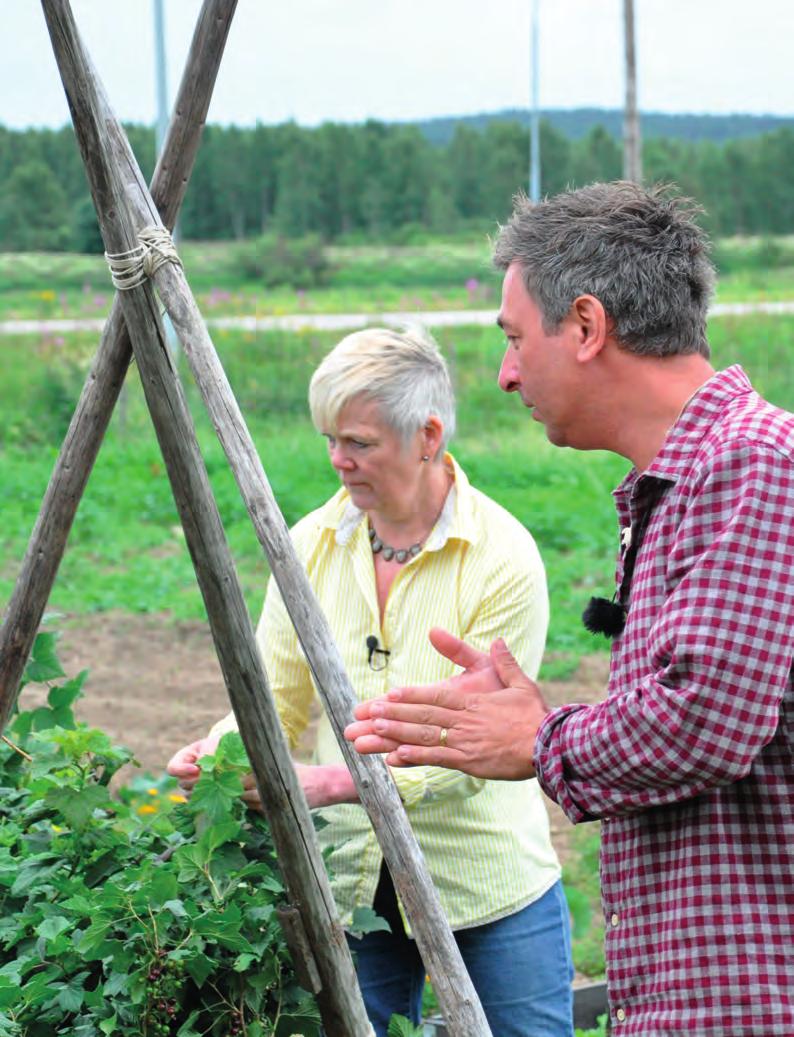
425 458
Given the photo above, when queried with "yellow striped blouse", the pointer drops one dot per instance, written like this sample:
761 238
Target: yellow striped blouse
480 576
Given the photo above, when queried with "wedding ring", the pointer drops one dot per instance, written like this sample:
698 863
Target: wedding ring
442 738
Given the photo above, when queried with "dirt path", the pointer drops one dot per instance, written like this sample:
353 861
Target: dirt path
154 685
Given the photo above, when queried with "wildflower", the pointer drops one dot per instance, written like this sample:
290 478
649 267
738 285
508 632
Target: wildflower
153 791
147 808
176 798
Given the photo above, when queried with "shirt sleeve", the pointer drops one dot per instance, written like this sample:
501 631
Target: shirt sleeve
719 653
510 601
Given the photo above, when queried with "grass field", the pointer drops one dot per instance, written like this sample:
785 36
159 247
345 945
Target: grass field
446 274
126 550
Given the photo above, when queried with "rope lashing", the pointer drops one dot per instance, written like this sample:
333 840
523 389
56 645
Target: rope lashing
130 269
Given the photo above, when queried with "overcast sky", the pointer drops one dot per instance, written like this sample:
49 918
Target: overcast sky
347 60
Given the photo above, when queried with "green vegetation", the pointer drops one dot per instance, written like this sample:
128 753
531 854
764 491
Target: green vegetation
271 276
126 550
580 877
135 914
380 181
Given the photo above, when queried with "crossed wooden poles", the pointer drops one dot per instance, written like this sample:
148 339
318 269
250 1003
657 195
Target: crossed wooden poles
125 207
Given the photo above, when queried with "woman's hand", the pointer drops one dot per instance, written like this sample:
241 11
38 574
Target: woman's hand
183 764
323 786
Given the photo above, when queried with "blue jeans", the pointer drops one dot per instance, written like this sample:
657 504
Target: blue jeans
520 967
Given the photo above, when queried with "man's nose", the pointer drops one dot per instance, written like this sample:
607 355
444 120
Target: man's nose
508 372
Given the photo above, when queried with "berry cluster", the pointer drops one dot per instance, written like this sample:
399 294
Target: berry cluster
165 983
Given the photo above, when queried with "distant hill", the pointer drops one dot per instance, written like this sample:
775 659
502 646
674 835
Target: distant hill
576 122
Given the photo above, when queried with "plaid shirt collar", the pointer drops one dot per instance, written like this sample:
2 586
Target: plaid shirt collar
686 435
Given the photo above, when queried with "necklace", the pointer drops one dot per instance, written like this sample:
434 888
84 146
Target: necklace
400 554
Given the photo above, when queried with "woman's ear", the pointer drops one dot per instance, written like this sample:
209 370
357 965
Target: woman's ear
432 436
592 326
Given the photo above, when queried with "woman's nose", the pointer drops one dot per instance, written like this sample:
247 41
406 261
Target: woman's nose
339 458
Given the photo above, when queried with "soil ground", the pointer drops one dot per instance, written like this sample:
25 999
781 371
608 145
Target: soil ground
155 685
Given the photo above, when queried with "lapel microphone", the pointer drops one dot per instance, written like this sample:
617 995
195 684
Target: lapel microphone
374 651
603 616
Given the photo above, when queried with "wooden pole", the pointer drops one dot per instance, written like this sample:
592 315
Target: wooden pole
100 393
456 995
109 165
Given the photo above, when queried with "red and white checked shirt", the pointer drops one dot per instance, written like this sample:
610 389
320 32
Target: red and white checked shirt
690 759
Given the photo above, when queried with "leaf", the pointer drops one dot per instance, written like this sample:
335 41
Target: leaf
108 1026
43 664
77 805
51 927
366 921
99 869
176 907
9 992
224 927
399 1026
243 961
216 795
199 967
70 995
162 887
303 1019
116 982
187 1029
231 751
63 695
35 870
216 835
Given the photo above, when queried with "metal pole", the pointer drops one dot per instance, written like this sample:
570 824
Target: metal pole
161 128
534 124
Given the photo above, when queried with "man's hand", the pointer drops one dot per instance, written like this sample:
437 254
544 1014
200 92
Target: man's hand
323 785
482 721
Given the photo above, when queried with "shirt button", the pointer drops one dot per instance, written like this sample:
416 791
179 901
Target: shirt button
620 1015
613 921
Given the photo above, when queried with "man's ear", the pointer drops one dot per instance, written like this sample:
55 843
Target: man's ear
591 326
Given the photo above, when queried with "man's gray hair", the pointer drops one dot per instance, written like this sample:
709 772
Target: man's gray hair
402 371
638 250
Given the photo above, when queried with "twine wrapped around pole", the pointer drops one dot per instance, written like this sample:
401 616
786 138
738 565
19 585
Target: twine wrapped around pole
104 149
109 162
131 268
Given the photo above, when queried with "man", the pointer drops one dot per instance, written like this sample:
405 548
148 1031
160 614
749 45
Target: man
689 761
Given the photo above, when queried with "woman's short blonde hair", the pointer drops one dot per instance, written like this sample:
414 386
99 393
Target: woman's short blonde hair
403 371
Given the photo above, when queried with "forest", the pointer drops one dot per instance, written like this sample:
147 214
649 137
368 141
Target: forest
359 182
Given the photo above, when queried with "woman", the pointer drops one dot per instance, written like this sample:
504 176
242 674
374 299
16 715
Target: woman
407 544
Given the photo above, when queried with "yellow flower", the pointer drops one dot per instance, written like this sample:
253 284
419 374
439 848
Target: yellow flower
176 798
147 809
153 792
57 828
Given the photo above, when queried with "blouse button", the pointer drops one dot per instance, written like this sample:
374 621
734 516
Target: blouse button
620 1015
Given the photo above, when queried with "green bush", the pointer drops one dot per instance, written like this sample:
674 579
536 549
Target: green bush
274 260
139 914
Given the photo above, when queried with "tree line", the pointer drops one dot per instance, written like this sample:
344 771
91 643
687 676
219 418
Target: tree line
380 180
